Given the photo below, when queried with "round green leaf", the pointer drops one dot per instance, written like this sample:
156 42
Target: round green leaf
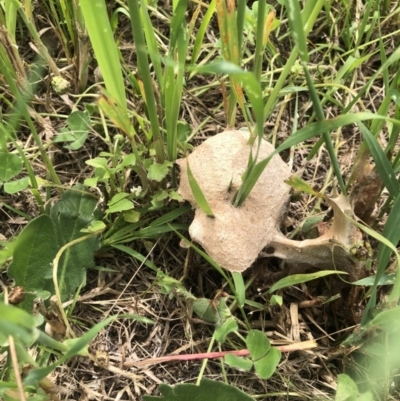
13 187
258 344
10 166
266 366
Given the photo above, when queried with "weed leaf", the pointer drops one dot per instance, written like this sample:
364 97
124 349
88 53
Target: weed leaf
10 166
258 344
301 278
31 268
266 366
74 212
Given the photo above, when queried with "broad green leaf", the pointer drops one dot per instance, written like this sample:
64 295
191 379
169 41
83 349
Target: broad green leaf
64 136
132 216
127 161
266 366
238 362
91 182
13 187
118 198
346 389
76 139
207 390
98 162
158 172
17 316
311 222
10 166
387 319
258 344
75 211
34 251
301 278
205 309
96 226
79 125
7 328
276 300
119 203
228 326
198 193
79 121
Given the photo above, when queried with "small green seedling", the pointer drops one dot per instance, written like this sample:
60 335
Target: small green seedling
75 135
263 356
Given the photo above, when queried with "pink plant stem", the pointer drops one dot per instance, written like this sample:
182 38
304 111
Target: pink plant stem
207 355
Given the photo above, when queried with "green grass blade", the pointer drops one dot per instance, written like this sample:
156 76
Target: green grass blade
144 70
174 77
240 18
309 16
198 193
259 52
240 288
304 134
394 58
389 239
297 28
210 260
301 278
10 10
201 32
101 37
151 42
249 83
326 135
383 165
142 259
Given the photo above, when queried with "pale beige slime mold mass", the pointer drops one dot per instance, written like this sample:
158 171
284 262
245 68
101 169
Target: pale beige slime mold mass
236 235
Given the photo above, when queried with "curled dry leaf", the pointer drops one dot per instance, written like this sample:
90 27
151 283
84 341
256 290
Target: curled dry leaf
237 236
